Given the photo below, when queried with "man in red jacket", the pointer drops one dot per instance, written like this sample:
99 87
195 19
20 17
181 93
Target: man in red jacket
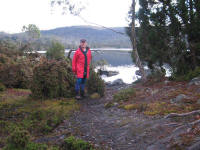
81 67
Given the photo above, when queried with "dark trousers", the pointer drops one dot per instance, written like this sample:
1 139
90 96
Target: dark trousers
80 85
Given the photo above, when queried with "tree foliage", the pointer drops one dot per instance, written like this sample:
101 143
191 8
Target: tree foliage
33 33
68 6
170 33
56 51
32 30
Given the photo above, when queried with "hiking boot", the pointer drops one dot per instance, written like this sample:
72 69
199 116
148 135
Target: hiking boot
78 97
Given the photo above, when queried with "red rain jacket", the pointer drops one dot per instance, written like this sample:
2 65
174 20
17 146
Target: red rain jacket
78 63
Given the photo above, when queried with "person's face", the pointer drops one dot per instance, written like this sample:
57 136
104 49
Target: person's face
83 44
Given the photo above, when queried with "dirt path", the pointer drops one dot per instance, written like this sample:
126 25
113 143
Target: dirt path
118 129
113 128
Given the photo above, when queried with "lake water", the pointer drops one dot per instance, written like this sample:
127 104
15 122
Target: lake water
113 58
118 60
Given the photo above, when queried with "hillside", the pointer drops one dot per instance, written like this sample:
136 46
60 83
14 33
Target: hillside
70 36
97 37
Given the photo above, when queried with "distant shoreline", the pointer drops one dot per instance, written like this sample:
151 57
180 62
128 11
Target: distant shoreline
99 49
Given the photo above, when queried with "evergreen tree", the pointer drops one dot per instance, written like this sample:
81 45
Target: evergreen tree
170 33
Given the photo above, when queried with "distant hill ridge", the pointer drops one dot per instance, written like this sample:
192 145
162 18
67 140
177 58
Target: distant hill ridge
70 36
96 36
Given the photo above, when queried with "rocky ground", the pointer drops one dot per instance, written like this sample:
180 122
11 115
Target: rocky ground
115 128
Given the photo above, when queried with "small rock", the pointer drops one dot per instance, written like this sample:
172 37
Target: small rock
198 101
195 81
166 82
108 105
179 99
116 104
154 91
108 73
118 82
197 90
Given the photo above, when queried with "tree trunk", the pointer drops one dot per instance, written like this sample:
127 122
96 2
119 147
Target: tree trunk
134 44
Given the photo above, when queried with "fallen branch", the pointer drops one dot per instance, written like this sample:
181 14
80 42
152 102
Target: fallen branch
173 115
194 122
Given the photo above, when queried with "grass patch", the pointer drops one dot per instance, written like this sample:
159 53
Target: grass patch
125 94
160 108
131 106
18 110
71 143
139 106
95 96
163 108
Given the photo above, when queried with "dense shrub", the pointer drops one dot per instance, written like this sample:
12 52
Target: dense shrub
15 74
190 75
4 59
95 84
18 140
71 143
53 79
16 67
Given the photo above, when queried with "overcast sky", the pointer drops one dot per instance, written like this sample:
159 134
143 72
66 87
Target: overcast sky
16 13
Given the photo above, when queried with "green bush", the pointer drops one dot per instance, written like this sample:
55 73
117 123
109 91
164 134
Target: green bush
187 77
4 127
15 71
2 87
193 74
124 95
52 79
95 84
16 75
18 140
56 51
4 59
42 121
71 143
36 146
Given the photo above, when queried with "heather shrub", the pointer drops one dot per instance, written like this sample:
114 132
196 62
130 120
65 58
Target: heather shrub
17 140
95 84
71 143
52 79
15 74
